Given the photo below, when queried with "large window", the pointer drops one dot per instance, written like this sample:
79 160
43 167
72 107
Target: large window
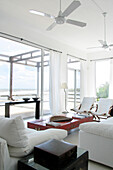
29 74
102 78
73 82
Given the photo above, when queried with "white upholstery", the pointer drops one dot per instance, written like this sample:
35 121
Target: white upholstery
9 155
86 105
109 120
35 138
4 155
97 138
103 107
13 131
100 129
100 148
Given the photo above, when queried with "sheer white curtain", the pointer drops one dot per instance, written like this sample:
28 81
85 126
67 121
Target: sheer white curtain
111 80
83 79
91 79
55 86
88 79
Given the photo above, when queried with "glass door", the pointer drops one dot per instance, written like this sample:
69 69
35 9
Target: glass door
73 88
73 99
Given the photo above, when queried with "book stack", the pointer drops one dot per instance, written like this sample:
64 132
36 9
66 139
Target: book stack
55 124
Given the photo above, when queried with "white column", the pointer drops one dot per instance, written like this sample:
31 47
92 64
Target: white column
37 79
42 80
111 80
11 79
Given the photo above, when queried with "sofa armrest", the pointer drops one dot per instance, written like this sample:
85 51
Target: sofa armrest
4 154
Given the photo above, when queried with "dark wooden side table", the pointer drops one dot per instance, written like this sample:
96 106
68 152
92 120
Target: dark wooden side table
37 109
80 163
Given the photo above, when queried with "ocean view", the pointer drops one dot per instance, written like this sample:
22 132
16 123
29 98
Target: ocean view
23 110
17 93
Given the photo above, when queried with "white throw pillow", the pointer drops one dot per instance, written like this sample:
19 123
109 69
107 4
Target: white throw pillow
13 131
35 138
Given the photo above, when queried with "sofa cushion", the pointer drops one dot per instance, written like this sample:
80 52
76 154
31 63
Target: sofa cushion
35 138
97 128
13 131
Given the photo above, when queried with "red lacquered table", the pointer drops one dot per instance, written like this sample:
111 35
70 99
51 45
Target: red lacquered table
43 124
83 119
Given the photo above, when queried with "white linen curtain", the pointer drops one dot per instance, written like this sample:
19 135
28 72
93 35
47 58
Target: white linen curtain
88 79
55 88
91 79
111 80
83 79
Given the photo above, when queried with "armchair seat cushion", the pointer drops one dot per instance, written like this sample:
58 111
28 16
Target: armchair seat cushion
35 138
13 131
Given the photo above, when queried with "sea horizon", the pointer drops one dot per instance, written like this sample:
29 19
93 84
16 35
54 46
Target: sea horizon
4 93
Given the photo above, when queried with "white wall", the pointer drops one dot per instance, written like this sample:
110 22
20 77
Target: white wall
100 54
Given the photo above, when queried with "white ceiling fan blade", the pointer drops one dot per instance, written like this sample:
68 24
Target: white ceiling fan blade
102 42
71 8
111 45
77 23
51 26
94 47
41 13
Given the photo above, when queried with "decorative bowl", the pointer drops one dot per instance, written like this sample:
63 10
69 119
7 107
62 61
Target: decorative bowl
35 98
26 99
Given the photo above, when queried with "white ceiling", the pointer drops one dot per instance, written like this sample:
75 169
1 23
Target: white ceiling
81 38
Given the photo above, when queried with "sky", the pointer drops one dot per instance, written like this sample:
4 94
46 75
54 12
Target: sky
24 76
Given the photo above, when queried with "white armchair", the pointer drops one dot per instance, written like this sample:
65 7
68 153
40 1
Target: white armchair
86 105
102 108
16 141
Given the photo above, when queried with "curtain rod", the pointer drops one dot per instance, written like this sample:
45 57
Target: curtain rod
98 6
102 59
76 57
24 41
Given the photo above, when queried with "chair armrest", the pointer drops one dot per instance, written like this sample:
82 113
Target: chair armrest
76 109
4 155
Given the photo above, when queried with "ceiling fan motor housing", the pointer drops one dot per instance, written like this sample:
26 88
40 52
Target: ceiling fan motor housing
60 20
105 46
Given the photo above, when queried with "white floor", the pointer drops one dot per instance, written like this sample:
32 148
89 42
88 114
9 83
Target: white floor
73 138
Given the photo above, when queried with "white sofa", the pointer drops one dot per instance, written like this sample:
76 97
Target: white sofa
97 138
16 141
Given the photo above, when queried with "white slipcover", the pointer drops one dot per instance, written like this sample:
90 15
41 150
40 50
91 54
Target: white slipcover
9 155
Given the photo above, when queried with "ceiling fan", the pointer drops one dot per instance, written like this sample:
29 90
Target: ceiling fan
103 42
61 18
